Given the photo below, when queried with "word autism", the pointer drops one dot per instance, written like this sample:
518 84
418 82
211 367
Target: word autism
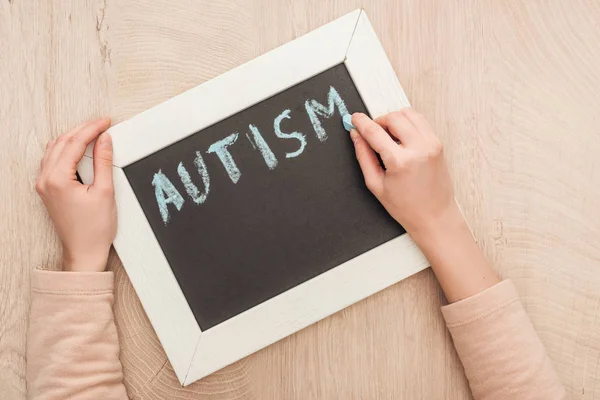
169 197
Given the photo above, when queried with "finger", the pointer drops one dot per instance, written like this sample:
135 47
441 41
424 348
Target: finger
399 126
103 159
79 127
56 150
59 145
368 162
377 138
77 143
418 120
46 153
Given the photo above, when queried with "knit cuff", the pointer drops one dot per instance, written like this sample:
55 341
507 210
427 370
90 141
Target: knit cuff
68 282
481 304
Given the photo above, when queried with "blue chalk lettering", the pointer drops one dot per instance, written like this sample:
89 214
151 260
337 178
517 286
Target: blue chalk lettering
220 148
166 194
294 135
201 167
190 187
258 141
314 108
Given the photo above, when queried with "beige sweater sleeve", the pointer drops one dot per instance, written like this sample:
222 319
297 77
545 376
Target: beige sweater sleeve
72 345
502 355
73 349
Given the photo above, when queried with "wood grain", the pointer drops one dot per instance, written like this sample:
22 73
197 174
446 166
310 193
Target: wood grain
512 87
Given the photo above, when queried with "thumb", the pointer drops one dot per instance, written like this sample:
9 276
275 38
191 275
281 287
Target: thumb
103 158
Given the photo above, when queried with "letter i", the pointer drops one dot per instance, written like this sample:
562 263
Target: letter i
259 142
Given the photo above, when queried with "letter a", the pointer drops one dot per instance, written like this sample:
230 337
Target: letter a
166 194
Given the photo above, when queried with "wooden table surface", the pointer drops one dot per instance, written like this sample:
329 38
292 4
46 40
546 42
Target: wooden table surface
512 87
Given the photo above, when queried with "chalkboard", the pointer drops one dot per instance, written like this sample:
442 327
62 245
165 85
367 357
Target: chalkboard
262 201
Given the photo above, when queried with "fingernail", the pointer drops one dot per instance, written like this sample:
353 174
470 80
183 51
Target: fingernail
103 121
354 136
105 140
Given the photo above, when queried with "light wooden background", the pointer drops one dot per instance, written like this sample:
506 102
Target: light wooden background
512 87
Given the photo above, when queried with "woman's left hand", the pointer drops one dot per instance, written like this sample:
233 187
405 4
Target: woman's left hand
84 216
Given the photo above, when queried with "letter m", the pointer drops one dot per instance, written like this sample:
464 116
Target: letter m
314 109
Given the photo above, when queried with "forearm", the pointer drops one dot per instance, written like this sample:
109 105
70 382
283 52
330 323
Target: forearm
502 355
455 257
72 347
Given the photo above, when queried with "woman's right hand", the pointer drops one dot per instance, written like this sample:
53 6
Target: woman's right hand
415 186
416 189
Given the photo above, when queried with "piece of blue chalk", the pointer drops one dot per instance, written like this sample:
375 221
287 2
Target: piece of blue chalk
347 121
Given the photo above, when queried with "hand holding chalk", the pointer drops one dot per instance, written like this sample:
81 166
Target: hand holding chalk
416 189
414 185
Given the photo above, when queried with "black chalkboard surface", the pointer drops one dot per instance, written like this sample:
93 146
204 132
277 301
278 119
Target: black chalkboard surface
263 200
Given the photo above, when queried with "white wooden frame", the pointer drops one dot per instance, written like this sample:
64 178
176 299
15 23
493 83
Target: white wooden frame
195 353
